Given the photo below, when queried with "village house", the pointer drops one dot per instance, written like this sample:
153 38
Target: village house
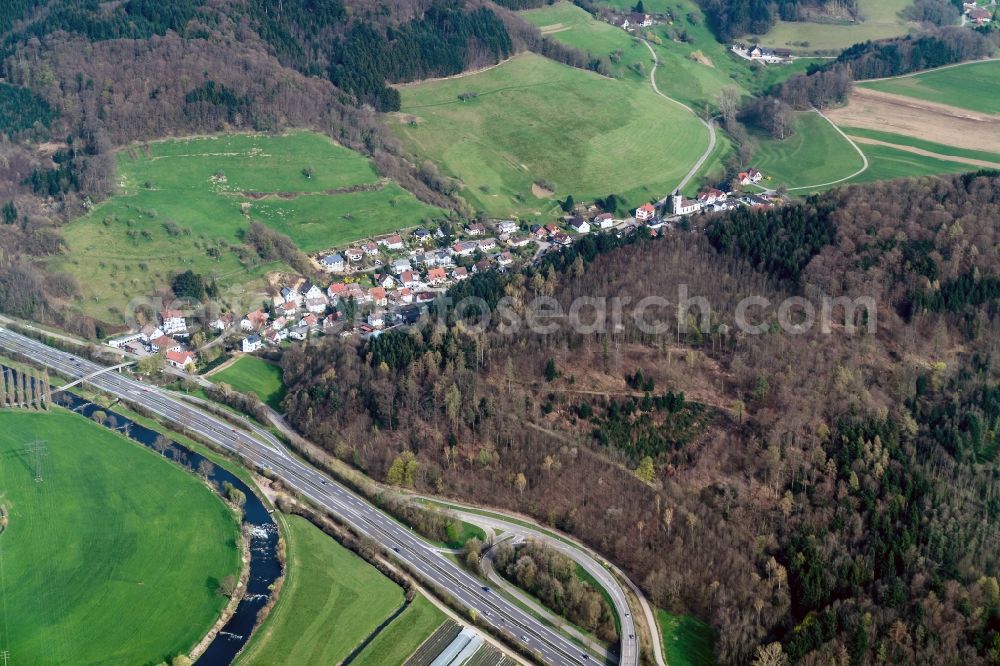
604 221
409 279
336 291
222 323
251 343
331 320
422 235
460 274
150 332
354 254
488 244
279 323
979 15
436 276
310 321
316 305
299 333
164 344
464 248
580 225
444 258
370 248
172 322
519 241
359 294
561 239
287 294
505 259
254 321
332 263
750 177
377 294
551 229
394 242
385 280
402 296
286 308
645 212
376 319
180 359
475 229
401 266
507 226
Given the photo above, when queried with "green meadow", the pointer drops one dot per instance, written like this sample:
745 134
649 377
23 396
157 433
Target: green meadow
114 557
532 120
403 635
687 641
330 603
249 374
880 19
974 86
184 204
815 154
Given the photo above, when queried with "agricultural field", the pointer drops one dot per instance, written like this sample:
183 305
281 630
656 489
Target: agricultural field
687 641
815 154
249 374
403 635
973 86
331 602
184 204
115 556
522 125
886 163
880 19
974 158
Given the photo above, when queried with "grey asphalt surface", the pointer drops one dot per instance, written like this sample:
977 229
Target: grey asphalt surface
268 453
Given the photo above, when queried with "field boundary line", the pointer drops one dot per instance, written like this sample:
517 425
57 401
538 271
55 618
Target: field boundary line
864 158
709 124
926 71
972 161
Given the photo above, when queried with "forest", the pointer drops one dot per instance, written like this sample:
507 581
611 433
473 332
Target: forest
833 493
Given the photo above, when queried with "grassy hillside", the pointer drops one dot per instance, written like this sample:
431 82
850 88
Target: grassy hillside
920 144
886 163
114 558
185 203
815 154
974 86
535 120
879 19
249 374
331 602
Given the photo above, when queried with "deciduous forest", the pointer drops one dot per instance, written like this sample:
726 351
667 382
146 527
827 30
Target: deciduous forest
835 493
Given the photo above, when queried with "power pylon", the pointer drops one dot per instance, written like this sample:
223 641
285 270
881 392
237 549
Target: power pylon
37 449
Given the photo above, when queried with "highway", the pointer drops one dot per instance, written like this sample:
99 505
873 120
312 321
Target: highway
321 490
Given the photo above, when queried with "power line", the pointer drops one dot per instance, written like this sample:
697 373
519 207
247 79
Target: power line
37 449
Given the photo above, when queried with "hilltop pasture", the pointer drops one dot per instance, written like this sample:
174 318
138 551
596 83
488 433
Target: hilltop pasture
185 203
531 120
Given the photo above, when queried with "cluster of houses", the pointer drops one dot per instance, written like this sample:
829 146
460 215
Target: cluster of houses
976 15
759 53
635 20
168 337
713 201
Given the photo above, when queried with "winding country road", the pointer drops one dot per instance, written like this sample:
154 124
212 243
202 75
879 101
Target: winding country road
709 124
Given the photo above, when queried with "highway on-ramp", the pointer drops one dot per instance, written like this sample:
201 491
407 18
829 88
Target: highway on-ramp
468 591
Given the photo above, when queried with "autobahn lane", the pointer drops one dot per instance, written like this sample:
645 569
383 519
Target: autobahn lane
366 519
